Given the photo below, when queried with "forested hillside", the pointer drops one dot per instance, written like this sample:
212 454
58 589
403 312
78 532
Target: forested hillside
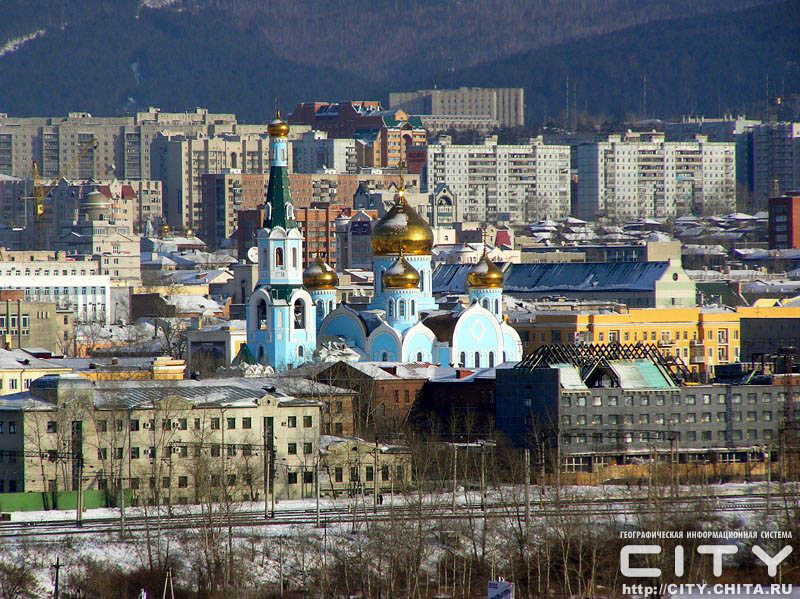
113 56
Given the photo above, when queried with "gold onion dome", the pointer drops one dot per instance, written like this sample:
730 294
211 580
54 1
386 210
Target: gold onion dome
485 274
400 275
278 127
319 276
401 230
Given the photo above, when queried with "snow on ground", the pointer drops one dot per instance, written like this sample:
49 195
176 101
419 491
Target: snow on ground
75 549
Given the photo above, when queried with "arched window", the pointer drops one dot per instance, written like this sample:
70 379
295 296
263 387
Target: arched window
300 351
485 303
462 361
279 257
491 359
294 257
419 356
401 308
390 308
261 353
289 211
299 314
233 160
330 305
422 281
504 356
477 360
385 356
413 308
320 306
497 306
261 314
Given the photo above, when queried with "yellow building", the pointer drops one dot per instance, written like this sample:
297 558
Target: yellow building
18 369
701 337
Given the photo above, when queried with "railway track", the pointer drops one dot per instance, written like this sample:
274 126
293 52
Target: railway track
45 531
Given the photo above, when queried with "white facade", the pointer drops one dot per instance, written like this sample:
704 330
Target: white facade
640 175
314 152
89 296
503 183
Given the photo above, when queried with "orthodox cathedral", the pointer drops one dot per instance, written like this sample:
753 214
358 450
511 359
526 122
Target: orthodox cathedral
292 310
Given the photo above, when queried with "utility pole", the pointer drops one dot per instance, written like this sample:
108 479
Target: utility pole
55 569
79 502
527 466
266 474
375 480
316 481
483 476
455 476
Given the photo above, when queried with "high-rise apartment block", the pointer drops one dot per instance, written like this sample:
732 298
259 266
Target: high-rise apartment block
503 183
506 105
223 196
640 175
122 147
180 161
775 158
315 152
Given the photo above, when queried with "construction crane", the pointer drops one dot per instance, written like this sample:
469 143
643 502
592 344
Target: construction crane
41 190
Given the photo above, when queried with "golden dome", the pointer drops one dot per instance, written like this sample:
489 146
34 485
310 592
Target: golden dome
318 276
278 127
400 275
485 274
401 230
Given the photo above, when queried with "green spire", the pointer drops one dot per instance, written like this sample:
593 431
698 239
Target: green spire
279 198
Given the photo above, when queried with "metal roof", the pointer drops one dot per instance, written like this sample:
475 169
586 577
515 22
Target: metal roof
584 277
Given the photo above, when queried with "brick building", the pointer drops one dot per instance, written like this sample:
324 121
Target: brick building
784 222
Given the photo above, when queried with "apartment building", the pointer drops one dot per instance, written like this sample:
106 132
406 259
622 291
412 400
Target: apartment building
122 144
640 175
339 188
180 162
506 105
25 324
503 183
702 337
314 152
775 159
224 195
73 285
170 442
353 239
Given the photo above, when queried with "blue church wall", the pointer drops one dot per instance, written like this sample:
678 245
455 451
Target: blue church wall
417 343
345 326
384 343
443 356
510 347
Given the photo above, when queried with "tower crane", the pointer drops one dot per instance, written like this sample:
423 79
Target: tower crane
42 189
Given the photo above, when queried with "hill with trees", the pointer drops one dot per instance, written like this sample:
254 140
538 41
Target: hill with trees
115 56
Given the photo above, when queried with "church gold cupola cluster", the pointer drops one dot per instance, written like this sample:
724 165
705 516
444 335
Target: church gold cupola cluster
402 229
485 274
401 275
319 276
